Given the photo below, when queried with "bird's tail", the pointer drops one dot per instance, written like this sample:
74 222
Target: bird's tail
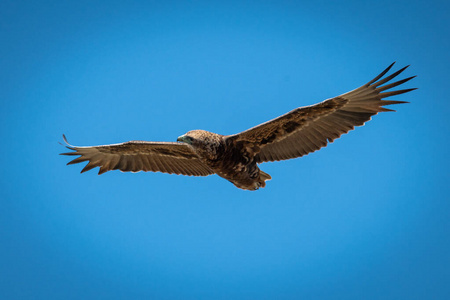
263 177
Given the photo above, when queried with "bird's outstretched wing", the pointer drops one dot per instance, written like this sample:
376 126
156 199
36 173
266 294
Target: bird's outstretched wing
307 129
135 156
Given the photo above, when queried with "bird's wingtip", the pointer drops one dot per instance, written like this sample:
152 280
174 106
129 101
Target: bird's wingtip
65 139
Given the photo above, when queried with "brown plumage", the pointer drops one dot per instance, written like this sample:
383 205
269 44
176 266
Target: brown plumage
236 157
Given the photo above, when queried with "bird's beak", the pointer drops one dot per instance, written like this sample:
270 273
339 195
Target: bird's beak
185 139
182 138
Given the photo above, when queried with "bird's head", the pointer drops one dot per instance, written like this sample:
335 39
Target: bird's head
195 137
202 141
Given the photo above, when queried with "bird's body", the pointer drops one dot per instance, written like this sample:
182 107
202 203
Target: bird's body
232 161
236 157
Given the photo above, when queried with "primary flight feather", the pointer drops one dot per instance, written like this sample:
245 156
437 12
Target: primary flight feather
236 157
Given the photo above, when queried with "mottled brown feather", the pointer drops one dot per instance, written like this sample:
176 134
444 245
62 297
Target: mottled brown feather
135 156
307 129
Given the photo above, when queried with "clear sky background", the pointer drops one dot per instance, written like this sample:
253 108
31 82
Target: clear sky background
365 218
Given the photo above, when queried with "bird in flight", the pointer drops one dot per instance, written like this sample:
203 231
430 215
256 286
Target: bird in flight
236 157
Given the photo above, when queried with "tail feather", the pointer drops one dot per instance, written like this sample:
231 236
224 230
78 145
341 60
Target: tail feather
263 177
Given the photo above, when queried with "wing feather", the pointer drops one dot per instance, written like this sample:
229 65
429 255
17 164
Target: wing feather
307 129
135 156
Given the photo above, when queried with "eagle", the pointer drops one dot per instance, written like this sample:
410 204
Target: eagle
236 157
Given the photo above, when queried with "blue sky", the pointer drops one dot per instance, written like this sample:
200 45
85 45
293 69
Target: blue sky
365 218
